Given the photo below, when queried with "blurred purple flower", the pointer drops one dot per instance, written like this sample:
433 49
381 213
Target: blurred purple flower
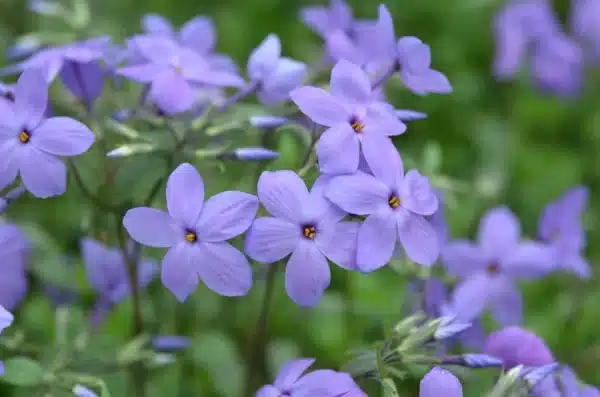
585 20
14 250
6 319
267 122
255 154
30 145
107 270
325 20
409 55
174 72
490 267
84 80
24 47
572 387
396 205
274 75
170 343
561 226
51 60
196 233
305 225
355 121
518 25
438 382
517 346
290 382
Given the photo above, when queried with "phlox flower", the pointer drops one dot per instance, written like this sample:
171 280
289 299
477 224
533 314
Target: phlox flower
440 382
585 20
305 225
196 233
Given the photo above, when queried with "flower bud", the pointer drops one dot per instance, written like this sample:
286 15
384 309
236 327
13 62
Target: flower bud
410 115
170 343
267 122
255 154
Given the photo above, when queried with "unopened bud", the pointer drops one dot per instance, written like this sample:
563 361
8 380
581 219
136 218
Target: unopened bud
170 343
450 326
404 327
267 122
255 154
534 375
410 115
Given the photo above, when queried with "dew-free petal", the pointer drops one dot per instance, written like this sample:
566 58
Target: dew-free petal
469 298
268 391
319 106
283 194
360 194
419 239
151 227
287 75
224 269
291 371
6 318
377 238
414 55
438 382
62 136
185 195
43 174
385 45
143 73
9 166
319 207
199 34
263 59
382 158
382 119
226 215
271 239
417 194
172 93
324 382
157 24
350 82
462 258
338 243
307 275
499 232
530 260
338 150
180 269
505 301
517 346
31 97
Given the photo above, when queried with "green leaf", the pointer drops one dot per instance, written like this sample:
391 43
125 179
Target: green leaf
22 371
123 130
217 352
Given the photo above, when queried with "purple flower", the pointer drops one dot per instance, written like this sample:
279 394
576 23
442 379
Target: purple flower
325 20
107 270
517 346
557 65
304 225
439 382
353 118
30 144
490 267
51 60
170 343
6 319
84 80
275 76
196 233
174 72
290 382
585 19
560 226
14 250
396 205
518 25
81 391
409 55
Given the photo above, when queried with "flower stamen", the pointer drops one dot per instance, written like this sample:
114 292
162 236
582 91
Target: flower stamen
24 136
191 236
309 231
394 201
357 126
494 268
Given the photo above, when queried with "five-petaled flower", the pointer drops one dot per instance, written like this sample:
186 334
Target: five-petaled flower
396 205
305 225
354 119
196 233
30 144
490 266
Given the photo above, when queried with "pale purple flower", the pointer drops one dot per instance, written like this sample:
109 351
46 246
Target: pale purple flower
6 319
292 381
440 382
561 226
396 205
355 121
409 55
30 145
585 21
107 270
174 73
275 75
517 346
305 225
490 266
14 250
196 233
85 80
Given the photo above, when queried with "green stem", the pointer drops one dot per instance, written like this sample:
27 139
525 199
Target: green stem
97 201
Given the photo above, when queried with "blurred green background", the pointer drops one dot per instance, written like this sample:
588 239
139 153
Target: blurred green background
506 141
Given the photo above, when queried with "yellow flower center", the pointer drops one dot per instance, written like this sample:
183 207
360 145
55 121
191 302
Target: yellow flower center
493 268
309 232
394 201
191 237
24 136
357 126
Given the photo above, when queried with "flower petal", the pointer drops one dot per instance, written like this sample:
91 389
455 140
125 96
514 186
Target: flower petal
143 73
382 119
6 318
271 239
180 269
307 275
376 241
43 174
263 59
530 260
385 46
417 194
224 269
185 195
319 106
505 301
338 243
288 75
419 239
291 371
499 232
350 83
319 208
470 297
268 391
323 383
360 194
226 215
31 97
151 227
62 136
414 55
9 165
338 150
383 158
156 24
438 381
462 258
172 93
283 194
198 34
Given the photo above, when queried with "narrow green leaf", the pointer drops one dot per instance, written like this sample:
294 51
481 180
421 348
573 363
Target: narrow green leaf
22 371
133 149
